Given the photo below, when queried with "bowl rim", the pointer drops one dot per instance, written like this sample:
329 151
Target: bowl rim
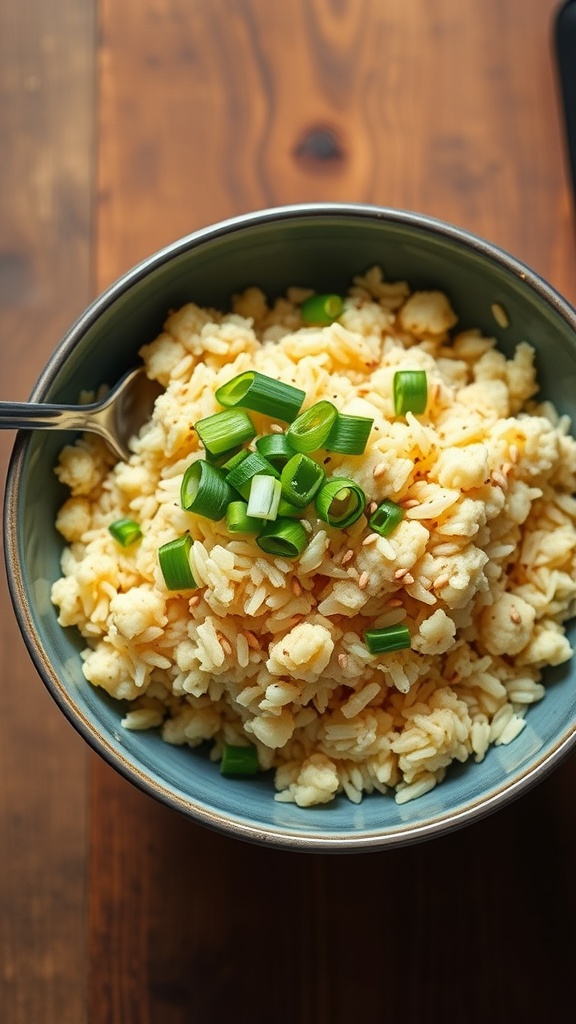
271 835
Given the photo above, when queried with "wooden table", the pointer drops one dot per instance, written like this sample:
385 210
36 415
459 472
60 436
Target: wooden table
123 125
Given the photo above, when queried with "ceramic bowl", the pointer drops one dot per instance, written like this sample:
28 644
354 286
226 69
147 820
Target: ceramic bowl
321 246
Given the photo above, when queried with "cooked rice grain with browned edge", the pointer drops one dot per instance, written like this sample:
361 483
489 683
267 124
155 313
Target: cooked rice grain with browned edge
482 568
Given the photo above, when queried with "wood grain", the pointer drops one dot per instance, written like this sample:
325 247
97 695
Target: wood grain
206 109
209 110
435 105
46 137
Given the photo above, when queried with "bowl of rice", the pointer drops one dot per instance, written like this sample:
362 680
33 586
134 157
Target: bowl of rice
327 602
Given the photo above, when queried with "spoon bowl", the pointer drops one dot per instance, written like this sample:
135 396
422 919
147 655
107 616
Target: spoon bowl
116 418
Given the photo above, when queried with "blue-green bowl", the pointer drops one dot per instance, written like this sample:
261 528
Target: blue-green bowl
320 246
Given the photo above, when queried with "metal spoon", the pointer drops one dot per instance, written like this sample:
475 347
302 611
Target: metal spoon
116 418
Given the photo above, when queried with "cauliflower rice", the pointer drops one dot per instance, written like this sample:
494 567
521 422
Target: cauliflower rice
271 651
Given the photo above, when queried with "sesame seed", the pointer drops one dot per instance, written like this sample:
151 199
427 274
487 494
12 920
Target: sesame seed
252 640
295 586
225 644
515 616
372 507
348 556
500 315
440 582
363 580
194 600
370 539
276 428
394 602
379 470
343 660
400 574
513 453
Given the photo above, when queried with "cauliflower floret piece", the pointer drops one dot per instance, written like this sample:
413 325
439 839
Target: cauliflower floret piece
435 634
137 610
466 577
109 668
506 626
273 730
303 653
521 376
462 467
251 304
490 397
162 356
133 481
519 501
66 595
316 782
80 469
549 646
426 313
74 518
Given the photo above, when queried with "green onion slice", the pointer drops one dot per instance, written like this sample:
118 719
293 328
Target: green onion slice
225 430
238 520
125 532
389 638
311 428
386 517
265 494
174 558
205 491
240 477
301 478
234 460
276 448
238 760
286 508
410 391
256 391
284 537
349 434
320 310
340 502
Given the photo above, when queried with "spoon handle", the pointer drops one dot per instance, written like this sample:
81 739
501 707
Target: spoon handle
41 416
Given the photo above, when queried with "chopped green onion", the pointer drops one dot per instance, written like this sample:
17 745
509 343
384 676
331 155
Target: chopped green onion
125 532
224 457
238 760
310 429
238 520
265 493
386 517
410 391
174 558
205 491
389 638
286 538
225 430
301 478
340 502
240 478
319 310
235 460
276 448
349 434
286 508
256 391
